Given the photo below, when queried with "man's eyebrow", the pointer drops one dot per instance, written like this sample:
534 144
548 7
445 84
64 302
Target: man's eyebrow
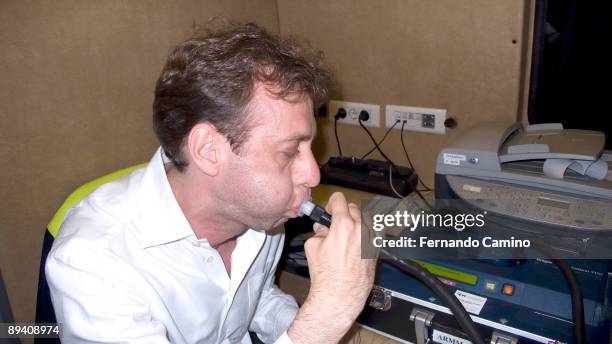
300 137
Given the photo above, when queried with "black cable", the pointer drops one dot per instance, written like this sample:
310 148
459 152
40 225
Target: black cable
408 157
432 282
389 160
336 133
410 162
574 287
375 144
381 141
392 165
404 146
341 113
577 302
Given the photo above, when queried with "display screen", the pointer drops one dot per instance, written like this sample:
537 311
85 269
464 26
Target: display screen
443 271
553 203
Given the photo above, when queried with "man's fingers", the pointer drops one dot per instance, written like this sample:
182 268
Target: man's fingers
319 229
312 244
355 212
337 205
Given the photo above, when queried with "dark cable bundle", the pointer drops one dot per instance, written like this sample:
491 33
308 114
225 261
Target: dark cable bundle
364 116
375 176
433 283
381 141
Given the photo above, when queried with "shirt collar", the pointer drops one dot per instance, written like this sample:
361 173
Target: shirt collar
159 218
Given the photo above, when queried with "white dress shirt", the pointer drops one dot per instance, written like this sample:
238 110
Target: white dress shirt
127 268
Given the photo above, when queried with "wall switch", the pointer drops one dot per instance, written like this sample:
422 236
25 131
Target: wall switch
352 113
421 119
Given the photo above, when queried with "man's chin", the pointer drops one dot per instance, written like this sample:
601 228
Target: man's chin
280 222
284 218
270 227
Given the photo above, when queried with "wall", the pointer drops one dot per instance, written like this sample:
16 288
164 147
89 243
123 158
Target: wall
75 103
464 56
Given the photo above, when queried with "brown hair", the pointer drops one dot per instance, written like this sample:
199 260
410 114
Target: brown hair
210 78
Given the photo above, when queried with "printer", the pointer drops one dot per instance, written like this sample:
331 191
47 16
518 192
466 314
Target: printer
558 175
535 178
542 176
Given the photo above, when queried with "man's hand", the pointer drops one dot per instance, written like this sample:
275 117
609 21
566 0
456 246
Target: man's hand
353 336
340 279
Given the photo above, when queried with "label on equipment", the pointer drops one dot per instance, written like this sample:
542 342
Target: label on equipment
472 303
445 338
453 159
472 188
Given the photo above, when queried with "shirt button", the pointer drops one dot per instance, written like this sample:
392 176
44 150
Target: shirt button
210 259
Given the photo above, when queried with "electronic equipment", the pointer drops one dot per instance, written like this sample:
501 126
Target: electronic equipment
375 176
547 174
526 303
535 178
550 180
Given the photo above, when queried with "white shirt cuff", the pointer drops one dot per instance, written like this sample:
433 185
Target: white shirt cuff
284 339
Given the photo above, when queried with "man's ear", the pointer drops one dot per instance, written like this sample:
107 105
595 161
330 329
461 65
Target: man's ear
205 147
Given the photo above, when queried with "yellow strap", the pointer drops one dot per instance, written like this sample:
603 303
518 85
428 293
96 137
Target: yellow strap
77 195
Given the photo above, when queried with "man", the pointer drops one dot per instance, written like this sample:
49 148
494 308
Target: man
183 251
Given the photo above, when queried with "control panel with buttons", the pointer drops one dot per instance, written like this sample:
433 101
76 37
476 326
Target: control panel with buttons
533 204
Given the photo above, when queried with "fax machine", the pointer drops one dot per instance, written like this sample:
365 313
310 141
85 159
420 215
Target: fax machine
544 156
544 179
534 178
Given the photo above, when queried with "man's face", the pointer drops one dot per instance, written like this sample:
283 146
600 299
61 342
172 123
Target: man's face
266 183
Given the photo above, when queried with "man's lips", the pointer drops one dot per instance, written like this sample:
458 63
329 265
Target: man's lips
295 211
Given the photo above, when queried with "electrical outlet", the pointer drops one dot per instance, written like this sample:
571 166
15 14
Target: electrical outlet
352 113
417 118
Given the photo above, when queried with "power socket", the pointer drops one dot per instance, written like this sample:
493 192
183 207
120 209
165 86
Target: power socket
421 119
352 113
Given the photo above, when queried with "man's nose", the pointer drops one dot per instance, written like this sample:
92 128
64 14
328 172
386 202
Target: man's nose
312 175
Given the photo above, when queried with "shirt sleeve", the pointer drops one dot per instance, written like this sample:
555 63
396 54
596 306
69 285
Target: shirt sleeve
93 301
284 339
275 309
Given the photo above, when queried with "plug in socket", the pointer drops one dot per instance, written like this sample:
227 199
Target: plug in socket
353 109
